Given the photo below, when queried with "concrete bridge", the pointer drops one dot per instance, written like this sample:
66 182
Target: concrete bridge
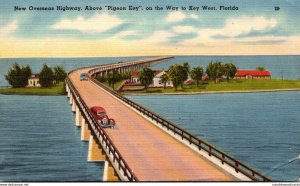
144 146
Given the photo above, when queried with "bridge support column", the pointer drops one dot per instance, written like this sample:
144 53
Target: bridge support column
95 152
109 173
69 94
71 99
77 116
68 91
85 132
73 105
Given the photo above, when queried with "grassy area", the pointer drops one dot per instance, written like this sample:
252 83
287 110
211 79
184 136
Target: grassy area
116 84
233 85
55 90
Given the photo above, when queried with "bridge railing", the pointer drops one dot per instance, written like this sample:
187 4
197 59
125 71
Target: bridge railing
185 135
101 134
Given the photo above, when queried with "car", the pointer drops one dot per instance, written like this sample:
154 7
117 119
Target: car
101 117
83 76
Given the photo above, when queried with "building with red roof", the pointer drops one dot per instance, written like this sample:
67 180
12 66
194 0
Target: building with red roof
253 74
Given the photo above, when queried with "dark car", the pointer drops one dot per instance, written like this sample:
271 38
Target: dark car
103 120
83 76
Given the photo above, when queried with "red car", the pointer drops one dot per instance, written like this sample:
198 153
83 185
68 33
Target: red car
103 120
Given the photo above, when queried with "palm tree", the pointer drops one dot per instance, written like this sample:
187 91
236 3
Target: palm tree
112 78
146 77
185 70
59 74
164 79
229 70
215 70
175 74
196 74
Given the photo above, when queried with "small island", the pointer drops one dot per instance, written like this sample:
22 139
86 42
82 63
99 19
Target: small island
23 82
180 79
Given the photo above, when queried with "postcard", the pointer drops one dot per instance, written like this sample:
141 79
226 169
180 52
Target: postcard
149 91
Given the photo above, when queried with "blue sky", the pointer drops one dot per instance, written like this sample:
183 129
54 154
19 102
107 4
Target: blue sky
253 29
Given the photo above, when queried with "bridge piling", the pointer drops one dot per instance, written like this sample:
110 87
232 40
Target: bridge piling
68 91
95 152
109 173
71 99
73 105
85 132
77 116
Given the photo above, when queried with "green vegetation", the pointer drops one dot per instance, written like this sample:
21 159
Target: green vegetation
221 79
231 86
52 83
58 89
196 74
178 74
113 77
18 76
46 76
164 79
146 76
59 74
216 70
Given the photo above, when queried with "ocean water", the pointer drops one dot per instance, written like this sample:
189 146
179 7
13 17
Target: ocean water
260 129
39 141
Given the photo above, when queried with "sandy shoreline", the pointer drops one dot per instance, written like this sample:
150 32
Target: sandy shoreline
216 92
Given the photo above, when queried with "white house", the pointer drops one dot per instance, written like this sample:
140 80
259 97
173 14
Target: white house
34 81
156 82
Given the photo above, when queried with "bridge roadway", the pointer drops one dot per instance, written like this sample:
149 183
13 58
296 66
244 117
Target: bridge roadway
152 154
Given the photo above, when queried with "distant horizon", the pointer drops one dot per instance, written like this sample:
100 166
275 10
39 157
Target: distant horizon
152 56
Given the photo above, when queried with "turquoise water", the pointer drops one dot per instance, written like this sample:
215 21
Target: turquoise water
260 129
39 142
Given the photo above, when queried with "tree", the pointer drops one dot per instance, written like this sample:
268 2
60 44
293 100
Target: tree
196 74
229 70
146 76
260 68
184 70
164 79
18 77
113 77
175 75
59 74
215 70
46 76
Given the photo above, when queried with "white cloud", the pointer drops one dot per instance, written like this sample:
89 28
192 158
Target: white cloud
94 25
244 25
183 29
194 16
234 27
175 17
126 33
8 28
158 37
